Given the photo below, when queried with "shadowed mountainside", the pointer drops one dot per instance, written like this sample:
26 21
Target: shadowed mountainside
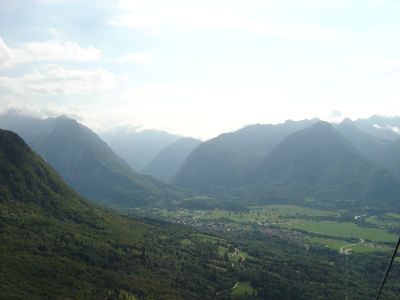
88 164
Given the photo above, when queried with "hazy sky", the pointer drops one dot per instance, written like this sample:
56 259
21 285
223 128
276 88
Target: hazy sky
202 67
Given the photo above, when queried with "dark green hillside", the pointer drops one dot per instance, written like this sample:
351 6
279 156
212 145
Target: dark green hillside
222 162
87 164
55 245
170 159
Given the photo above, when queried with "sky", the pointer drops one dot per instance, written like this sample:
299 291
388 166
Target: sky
199 68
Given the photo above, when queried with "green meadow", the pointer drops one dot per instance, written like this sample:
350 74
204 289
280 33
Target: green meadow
320 227
243 288
344 229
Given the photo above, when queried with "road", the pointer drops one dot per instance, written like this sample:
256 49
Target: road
235 286
342 249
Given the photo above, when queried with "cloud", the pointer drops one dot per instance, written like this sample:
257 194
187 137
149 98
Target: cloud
335 116
137 57
184 109
388 127
207 14
53 50
336 113
56 80
6 54
46 51
376 62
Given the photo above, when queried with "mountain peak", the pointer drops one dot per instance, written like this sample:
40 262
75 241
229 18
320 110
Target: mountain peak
24 166
225 160
64 118
88 165
348 124
313 120
346 121
309 154
322 125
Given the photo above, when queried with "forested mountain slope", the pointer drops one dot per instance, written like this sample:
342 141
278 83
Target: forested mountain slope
87 163
54 244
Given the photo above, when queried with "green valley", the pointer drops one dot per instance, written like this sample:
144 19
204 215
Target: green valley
199 150
332 229
56 245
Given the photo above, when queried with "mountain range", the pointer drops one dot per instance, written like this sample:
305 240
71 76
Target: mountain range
369 145
224 160
56 245
87 163
354 162
170 159
380 126
137 147
298 160
319 162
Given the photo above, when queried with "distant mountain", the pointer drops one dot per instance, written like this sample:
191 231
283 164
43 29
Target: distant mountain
367 144
318 162
224 160
28 127
56 245
138 147
87 163
381 127
314 154
170 159
390 157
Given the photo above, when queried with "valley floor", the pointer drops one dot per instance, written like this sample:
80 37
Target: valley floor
350 242
307 226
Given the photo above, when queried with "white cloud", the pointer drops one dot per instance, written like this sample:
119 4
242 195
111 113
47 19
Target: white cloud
58 81
208 14
137 57
388 127
53 50
6 54
376 62
198 111
46 51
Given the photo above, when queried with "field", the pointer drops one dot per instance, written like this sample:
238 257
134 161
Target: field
337 244
344 229
266 214
317 227
243 288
